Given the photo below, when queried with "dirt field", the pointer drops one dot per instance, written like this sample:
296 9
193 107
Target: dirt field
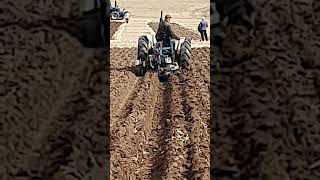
114 26
179 30
266 98
159 130
53 98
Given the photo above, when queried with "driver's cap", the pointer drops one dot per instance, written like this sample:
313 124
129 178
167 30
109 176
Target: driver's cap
168 16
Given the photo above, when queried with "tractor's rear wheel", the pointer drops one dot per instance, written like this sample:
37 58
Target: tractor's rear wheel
185 53
142 55
143 48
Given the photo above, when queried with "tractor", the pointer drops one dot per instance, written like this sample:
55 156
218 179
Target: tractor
152 55
117 14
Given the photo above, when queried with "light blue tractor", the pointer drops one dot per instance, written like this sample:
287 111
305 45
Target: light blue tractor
152 55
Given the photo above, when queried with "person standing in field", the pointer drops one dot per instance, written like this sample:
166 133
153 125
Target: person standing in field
202 28
126 17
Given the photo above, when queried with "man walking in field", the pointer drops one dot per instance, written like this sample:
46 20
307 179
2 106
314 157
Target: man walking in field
202 28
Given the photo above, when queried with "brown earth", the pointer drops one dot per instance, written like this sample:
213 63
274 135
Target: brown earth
181 31
114 26
159 130
266 98
53 99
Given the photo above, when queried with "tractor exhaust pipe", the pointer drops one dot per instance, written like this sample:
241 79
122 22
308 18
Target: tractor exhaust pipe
157 35
115 3
161 17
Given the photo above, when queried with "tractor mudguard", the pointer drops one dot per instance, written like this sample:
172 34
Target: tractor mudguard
178 44
150 38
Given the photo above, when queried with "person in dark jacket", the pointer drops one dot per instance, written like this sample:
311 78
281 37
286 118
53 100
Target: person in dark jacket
165 32
202 28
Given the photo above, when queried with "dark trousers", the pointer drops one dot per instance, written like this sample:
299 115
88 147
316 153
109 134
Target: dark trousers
166 42
204 35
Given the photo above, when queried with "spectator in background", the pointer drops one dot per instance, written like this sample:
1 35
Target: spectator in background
202 28
126 16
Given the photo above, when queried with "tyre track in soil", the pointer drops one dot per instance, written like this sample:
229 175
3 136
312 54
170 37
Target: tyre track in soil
123 84
129 152
175 137
122 58
197 109
183 138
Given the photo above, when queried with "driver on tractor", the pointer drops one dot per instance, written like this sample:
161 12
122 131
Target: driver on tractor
165 32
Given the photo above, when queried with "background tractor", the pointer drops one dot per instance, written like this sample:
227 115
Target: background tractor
117 14
152 55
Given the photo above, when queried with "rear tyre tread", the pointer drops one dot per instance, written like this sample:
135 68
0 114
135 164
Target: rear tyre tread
142 54
185 53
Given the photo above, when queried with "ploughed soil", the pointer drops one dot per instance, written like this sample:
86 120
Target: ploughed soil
181 31
266 98
53 95
159 130
114 26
